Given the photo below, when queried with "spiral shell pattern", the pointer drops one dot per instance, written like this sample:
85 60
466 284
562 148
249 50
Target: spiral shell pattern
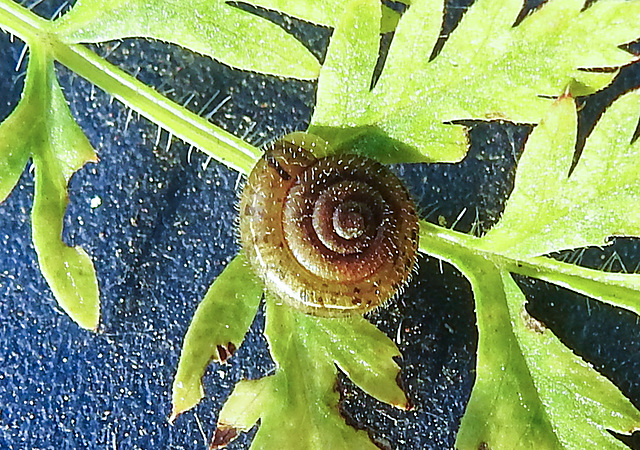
330 235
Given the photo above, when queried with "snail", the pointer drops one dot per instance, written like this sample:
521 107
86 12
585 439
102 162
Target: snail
330 234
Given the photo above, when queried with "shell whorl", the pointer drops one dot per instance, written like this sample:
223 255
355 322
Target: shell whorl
330 235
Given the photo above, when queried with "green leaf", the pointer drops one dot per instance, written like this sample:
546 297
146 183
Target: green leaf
352 56
244 406
211 27
308 425
487 70
42 127
530 390
504 411
14 155
574 395
216 330
364 353
552 209
323 12
306 350
556 28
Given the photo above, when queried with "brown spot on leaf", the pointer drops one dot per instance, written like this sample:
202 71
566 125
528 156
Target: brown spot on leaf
532 323
223 435
225 352
496 115
483 446
407 406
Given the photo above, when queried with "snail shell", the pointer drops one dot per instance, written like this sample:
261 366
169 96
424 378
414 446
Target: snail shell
330 235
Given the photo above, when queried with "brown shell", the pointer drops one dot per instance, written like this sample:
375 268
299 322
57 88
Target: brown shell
330 235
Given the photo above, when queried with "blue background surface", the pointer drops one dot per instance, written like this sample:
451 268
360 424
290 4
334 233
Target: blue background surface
165 228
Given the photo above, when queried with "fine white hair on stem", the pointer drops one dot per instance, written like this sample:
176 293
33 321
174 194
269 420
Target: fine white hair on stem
208 103
23 53
217 107
34 4
462 213
59 10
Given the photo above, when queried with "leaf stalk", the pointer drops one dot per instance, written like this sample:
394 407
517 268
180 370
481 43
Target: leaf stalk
221 145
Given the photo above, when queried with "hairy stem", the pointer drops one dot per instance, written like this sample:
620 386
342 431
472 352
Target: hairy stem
180 122
612 288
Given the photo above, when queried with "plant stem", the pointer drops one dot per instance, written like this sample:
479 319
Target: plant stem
612 288
219 144
18 20
180 122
